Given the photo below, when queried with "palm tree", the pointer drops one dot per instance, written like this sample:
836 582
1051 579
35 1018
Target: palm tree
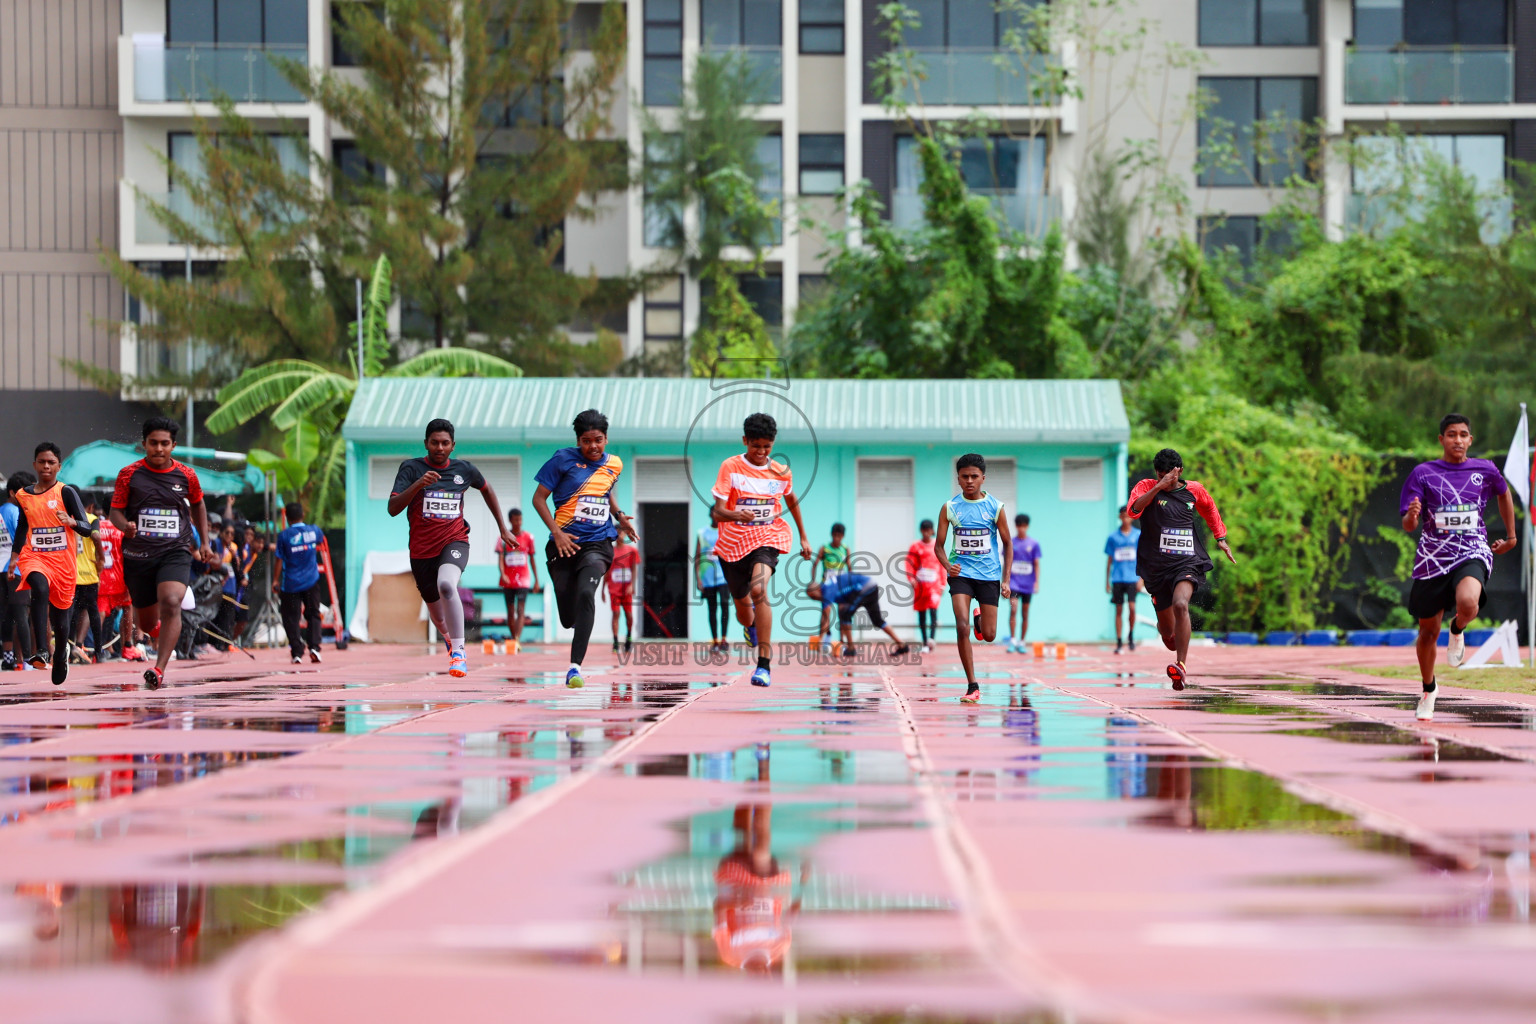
308 403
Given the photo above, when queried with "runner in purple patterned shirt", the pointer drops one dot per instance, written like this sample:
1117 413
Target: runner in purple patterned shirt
1454 559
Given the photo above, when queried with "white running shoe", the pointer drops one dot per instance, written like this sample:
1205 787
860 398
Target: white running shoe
1456 649
1426 709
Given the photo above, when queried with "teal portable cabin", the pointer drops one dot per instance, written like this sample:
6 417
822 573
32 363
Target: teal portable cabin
877 456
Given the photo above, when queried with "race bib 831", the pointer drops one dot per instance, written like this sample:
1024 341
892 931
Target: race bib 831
973 540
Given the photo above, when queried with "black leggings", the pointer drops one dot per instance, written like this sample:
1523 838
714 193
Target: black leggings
576 579
9 613
85 603
44 615
717 599
928 623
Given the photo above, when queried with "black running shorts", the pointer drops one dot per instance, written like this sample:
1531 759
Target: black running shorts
738 575
985 592
1161 588
1437 595
143 576
870 602
424 570
1119 593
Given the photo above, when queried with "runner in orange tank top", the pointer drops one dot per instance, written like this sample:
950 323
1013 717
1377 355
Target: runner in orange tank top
51 513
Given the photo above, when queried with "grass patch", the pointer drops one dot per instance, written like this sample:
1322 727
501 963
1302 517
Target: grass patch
1503 680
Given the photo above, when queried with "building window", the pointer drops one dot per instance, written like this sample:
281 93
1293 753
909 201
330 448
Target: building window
1082 480
963 24
663 71
1009 173
663 328
766 294
341 57
1385 163
1431 22
1239 235
1262 120
542 105
1258 23
748 23
813 289
821 26
821 164
242 22
186 153
352 167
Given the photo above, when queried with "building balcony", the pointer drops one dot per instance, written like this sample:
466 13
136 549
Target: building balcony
1429 75
979 77
1028 213
183 73
149 231
1382 213
765 64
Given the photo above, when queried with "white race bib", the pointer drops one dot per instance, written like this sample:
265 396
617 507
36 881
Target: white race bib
48 538
973 540
1176 542
1125 553
1458 519
516 559
1023 568
761 509
592 509
160 523
927 575
622 575
442 505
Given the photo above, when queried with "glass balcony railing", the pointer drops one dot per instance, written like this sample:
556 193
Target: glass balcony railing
766 66
1430 74
1378 214
984 77
1028 213
184 72
149 231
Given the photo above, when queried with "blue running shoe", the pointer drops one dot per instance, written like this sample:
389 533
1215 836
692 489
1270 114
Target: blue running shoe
760 678
751 632
573 678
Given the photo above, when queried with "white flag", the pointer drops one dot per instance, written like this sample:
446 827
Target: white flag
1517 464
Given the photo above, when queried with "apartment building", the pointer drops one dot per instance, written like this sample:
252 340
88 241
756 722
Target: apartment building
94 93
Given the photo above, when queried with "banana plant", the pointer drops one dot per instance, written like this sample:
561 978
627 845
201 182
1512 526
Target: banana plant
308 403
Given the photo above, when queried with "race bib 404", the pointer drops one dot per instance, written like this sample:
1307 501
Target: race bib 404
1176 542
762 509
1458 519
160 523
442 505
592 509
48 538
973 540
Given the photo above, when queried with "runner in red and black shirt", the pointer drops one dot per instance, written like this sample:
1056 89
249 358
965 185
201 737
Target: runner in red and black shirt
156 503
430 492
1171 555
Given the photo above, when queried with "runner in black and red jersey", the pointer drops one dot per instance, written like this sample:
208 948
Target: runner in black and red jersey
156 503
430 492
1170 555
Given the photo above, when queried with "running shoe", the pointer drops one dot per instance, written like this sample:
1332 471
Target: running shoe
314 656
751 633
902 650
8 661
615 647
296 659
458 665
1456 649
760 678
849 651
38 660
976 625
1131 644
60 671
573 677
1177 673
516 647
972 696
629 646
1118 646
153 678
1426 709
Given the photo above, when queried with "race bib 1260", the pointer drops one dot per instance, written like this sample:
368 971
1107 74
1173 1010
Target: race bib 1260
442 505
1458 519
1176 542
48 538
160 523
973 540
761 509
592 509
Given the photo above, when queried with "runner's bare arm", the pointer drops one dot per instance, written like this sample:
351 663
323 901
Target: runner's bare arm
722 514
121 522
564 544
626 523
1002 534
1506 513
938 542
400 502
1206 506
793 505
489 494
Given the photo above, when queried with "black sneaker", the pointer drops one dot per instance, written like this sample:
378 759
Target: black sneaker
629 646
8 661
902 650
1118 645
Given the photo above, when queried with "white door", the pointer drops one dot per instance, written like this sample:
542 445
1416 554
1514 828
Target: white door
884 526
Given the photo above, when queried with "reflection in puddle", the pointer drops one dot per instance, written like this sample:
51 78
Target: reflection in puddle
1356 731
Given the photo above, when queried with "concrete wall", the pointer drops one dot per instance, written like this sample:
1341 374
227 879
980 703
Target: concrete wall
1071 533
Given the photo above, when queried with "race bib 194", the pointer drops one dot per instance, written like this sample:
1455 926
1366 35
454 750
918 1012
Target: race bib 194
1458 519
973 540
1177 542
592 509
1125 553
160 523
761 509
48 538
442 505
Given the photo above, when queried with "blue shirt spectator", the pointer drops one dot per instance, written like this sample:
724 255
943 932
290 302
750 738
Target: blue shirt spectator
298 549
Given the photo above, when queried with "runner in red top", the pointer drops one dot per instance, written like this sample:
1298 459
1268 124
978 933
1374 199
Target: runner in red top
112 595
1170 554
752 492
519 576
156 503
926 577
620 584
51 514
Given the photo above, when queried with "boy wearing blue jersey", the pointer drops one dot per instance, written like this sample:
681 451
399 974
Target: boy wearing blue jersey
977 563
1120 580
